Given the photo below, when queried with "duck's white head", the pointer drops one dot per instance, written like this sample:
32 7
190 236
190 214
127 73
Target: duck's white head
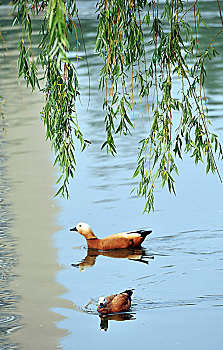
102 302
84 229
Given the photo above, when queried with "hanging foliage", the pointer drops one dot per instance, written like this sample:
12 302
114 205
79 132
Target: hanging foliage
145 48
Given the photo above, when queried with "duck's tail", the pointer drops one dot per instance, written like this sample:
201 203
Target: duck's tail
128 291
144 233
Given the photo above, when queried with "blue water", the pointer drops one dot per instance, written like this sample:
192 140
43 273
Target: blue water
178 287
178 299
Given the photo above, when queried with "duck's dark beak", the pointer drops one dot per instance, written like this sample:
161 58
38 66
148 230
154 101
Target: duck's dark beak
101 305
73 229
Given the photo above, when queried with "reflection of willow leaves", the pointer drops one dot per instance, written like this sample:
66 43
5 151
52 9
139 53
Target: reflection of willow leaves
130 73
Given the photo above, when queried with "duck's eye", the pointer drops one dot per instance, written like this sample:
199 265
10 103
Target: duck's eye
79 225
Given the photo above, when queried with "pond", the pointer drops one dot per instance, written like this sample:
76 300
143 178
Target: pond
50 283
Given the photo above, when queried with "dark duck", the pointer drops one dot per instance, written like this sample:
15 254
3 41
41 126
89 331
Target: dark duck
115 303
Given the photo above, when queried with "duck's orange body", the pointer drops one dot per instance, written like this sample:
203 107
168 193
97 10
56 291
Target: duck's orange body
115 303
115 241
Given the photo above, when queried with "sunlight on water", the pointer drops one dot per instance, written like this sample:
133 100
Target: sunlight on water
27 215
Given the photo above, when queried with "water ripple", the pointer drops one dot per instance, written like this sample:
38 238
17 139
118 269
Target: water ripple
6 318
9 322
140 304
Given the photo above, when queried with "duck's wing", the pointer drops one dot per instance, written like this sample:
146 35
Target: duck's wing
121 302
110 298
136 233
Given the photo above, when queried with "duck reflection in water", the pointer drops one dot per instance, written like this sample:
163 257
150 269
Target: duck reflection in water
135 254
115 317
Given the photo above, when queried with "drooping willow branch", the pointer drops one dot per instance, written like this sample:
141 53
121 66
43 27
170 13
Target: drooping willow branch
151 55
61 87
179 122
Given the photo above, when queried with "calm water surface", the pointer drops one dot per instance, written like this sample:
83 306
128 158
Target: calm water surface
177 277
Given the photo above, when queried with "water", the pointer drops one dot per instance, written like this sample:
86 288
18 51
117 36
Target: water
28 211
54 282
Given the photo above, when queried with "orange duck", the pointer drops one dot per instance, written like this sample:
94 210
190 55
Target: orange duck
115 241
115 303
